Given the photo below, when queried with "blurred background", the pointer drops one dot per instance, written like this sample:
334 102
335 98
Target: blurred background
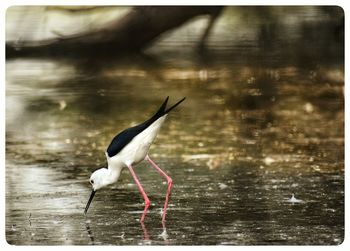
256 152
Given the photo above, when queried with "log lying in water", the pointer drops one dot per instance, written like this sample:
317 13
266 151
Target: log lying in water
130 33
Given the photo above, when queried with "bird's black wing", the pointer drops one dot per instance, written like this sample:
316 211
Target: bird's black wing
124 137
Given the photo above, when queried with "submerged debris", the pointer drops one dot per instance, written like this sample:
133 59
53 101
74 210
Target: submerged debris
57 222
62 105
294 200
222 186
268 161
213 163
308 107
121 236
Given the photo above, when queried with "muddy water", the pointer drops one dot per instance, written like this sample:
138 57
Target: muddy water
259 124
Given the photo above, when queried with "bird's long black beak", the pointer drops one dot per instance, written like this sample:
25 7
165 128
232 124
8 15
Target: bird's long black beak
89 202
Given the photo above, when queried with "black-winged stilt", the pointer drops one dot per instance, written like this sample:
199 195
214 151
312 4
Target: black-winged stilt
129 148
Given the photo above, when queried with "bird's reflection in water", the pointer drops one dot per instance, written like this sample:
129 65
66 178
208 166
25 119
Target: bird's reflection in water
164 235
146 237
145 232
91 236
88 229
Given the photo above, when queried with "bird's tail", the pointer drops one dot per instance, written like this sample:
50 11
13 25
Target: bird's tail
161 110
168 110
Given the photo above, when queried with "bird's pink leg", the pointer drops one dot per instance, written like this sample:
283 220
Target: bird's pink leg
170 184
147 202
145 232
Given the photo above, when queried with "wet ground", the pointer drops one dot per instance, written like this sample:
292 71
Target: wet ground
262 121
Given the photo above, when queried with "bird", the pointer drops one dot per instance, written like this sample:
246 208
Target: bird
128 148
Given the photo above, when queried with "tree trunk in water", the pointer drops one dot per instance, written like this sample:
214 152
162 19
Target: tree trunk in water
131 33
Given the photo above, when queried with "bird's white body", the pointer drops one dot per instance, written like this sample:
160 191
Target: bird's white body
135 151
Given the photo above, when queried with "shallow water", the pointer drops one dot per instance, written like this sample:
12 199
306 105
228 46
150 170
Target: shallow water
259 124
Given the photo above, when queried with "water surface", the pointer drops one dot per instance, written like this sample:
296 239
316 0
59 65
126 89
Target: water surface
263 119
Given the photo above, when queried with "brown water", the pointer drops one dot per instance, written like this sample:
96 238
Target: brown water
263 119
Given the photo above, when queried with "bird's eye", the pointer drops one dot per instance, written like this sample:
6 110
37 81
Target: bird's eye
92 181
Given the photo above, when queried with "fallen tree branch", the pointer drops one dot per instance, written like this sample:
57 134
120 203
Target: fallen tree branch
75 9
130 33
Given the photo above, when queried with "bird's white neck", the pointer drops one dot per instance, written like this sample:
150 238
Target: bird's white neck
113 175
